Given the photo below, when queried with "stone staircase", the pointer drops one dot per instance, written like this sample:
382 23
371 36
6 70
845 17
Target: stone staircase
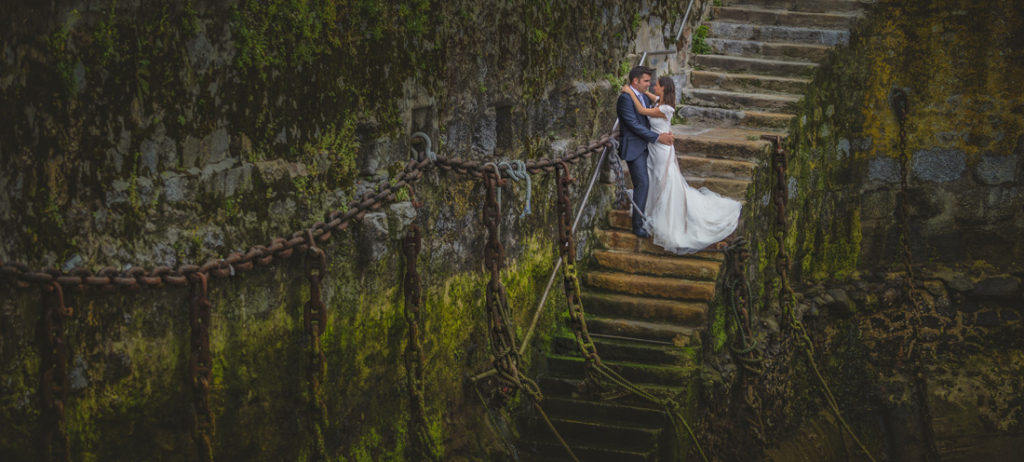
644 306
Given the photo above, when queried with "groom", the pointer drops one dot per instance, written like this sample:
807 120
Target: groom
636 133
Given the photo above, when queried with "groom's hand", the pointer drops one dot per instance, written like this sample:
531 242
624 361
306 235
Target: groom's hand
666 138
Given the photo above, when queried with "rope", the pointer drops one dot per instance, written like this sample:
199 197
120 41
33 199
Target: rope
517 172
786 295
585 344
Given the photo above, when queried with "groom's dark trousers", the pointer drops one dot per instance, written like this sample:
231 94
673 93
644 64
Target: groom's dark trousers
636 133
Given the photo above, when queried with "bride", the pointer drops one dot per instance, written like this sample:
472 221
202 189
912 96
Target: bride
680 218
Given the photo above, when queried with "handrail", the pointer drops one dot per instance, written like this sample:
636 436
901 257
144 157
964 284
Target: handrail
579 214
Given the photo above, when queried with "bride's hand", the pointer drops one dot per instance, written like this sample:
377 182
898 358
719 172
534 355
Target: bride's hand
624 89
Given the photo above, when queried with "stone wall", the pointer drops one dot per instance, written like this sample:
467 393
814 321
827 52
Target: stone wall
939 377
165 133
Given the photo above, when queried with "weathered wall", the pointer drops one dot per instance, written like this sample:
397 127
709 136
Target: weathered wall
164 133
961 65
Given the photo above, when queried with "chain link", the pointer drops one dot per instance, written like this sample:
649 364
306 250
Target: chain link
316 323
423 443
747 352
201 367
597 370
913 351
278 249
53 372
786 294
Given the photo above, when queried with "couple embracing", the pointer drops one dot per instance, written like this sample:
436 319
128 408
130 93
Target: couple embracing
678 217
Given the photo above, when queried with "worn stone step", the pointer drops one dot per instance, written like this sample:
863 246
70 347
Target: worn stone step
713 167
612 349
622 328
601 411
641 374
624 239
553 450
750 83
619 219
582 432
743 101
779 51
728 143
635 263
717 117
735 189
577 388
814 6
740 64
645 308
809 35
777 17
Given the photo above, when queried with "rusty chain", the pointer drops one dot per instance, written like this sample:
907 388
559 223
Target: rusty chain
914 351
595 368
786 294
201 367
503 342
747 352
315 321
53 350
278 249
53 372
570 277
423 444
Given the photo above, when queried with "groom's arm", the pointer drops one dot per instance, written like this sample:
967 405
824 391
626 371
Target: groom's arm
631 120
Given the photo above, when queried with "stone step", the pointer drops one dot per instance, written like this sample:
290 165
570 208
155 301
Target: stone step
673 288
619 219
716 117
641 374
624 239
728 143
708 167
776 17
621 328
543 451
601 411
635 263
645 308
739 64
577 388
751 83
813 6
809 35
734 189
582 432
779 51
743 101
610 349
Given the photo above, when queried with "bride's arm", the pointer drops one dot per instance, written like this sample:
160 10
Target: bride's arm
649 112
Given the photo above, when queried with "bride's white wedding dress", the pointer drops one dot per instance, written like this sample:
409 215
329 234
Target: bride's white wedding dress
680 218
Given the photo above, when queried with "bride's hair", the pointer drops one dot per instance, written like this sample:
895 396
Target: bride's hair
668 86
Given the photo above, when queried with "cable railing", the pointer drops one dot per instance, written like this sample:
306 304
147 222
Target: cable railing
583 204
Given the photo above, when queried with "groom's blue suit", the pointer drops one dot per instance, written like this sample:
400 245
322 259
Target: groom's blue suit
636 133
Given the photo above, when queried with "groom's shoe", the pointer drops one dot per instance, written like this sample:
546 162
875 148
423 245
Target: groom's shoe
641 233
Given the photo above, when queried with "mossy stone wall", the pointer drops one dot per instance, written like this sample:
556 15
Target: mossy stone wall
951 364
162 133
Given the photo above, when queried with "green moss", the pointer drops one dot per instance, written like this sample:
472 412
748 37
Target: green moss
700 45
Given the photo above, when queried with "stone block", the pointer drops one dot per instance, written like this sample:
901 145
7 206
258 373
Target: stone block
1002 287
400 216
175 187
995 170
190 152
938 164
216 146
884 170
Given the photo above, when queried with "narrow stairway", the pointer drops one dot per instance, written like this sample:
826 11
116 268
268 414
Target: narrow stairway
645 307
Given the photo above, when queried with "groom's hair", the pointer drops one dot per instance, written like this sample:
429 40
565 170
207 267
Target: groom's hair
639 71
